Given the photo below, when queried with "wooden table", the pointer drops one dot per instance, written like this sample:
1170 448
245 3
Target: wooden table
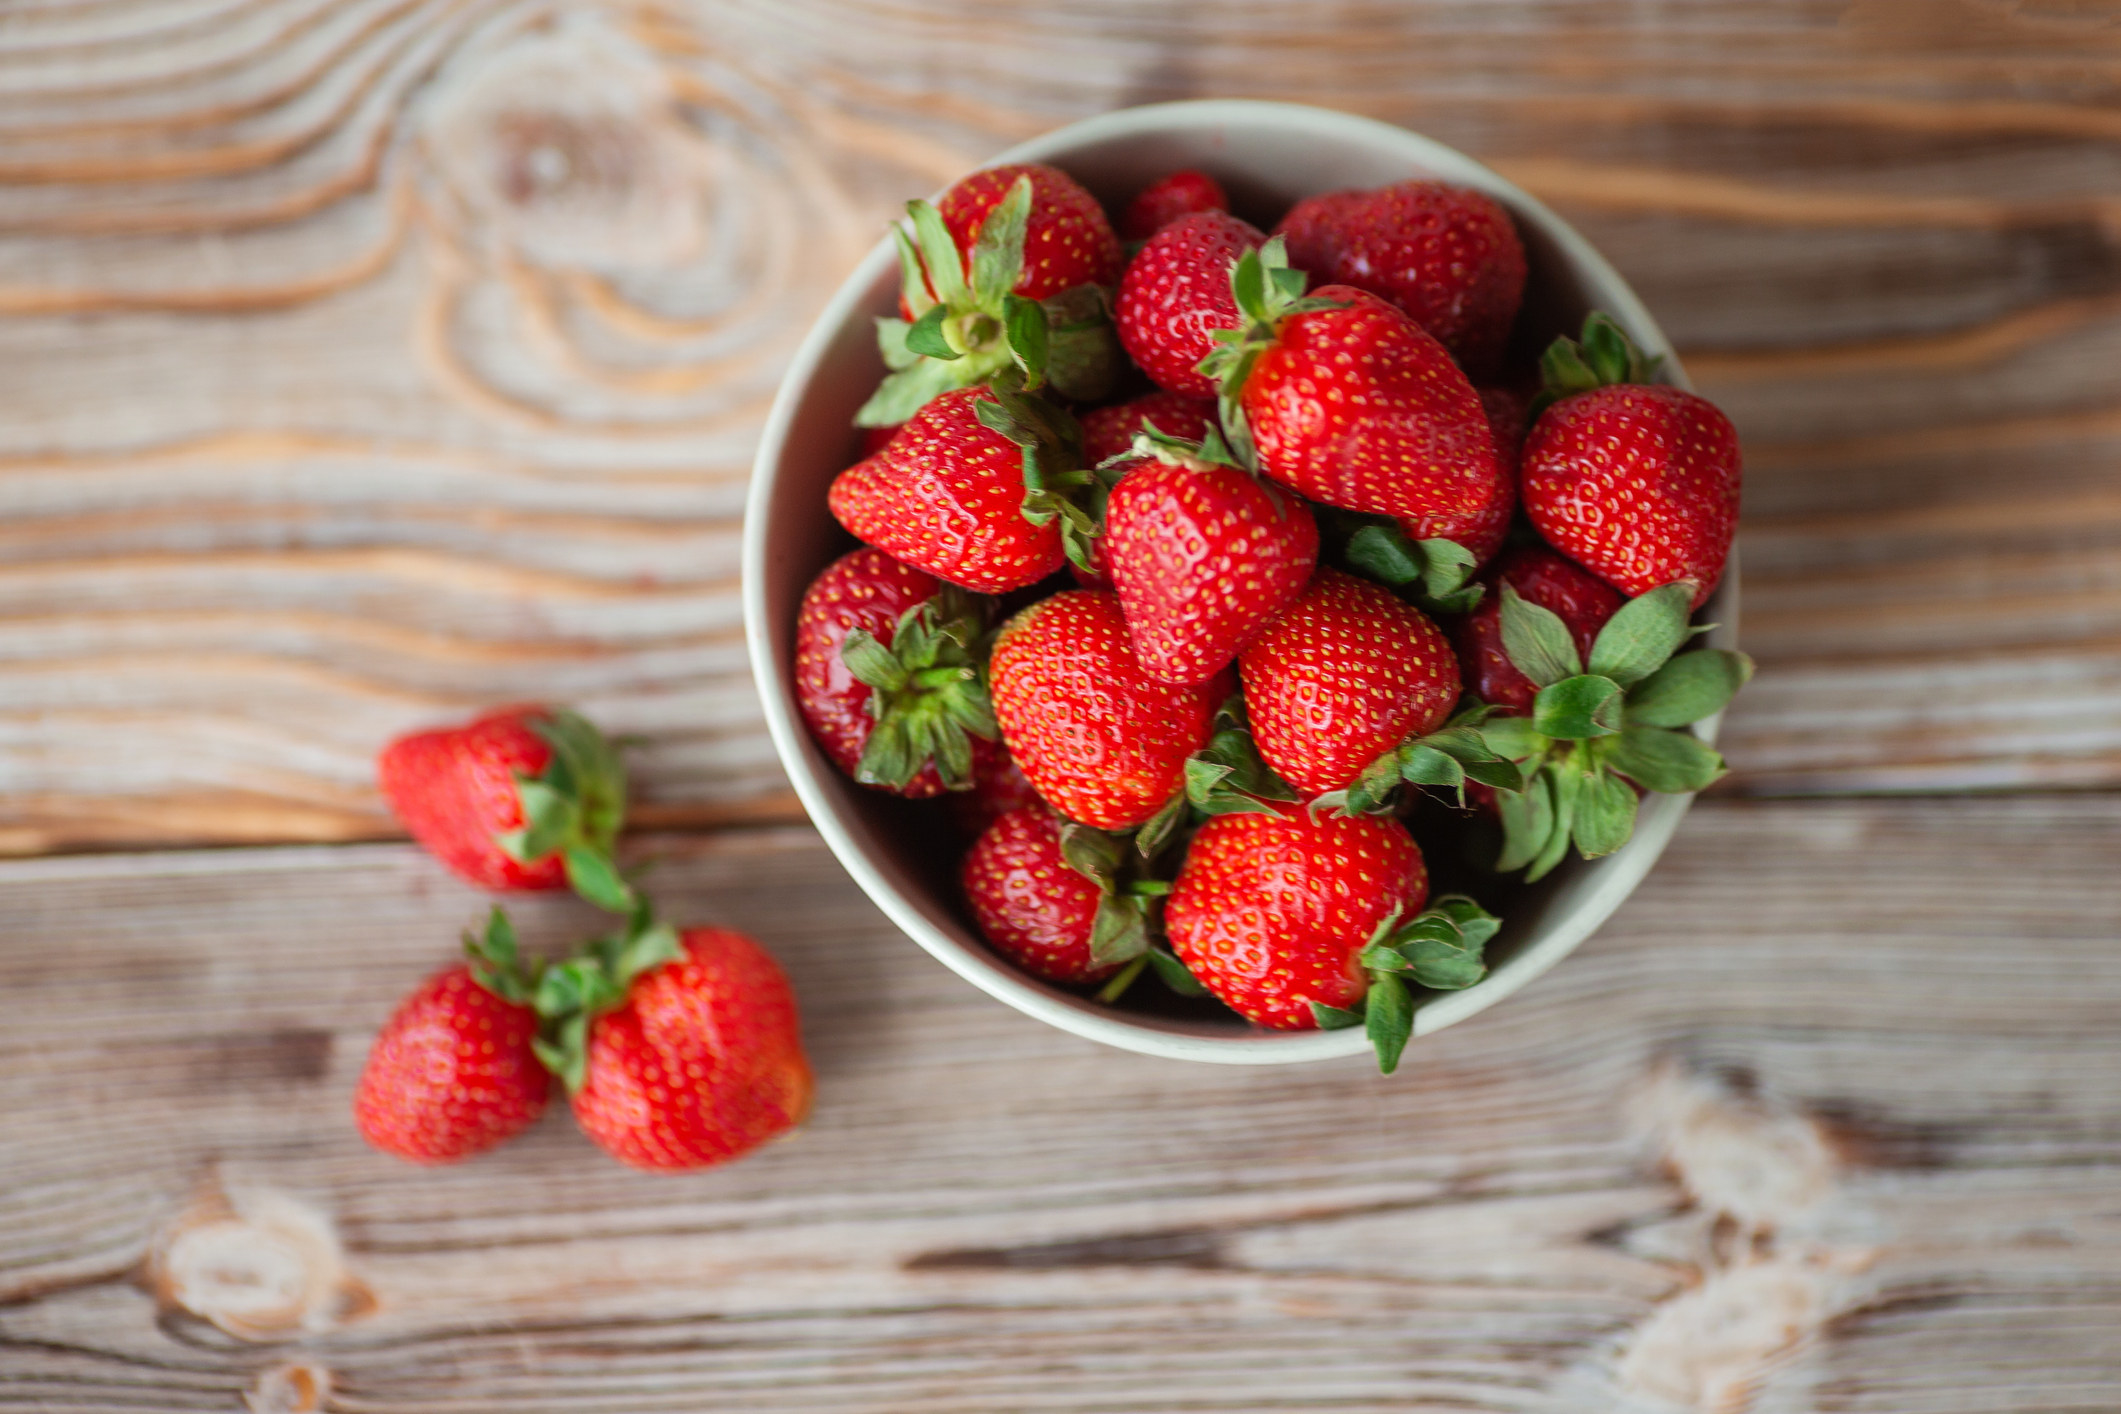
370 361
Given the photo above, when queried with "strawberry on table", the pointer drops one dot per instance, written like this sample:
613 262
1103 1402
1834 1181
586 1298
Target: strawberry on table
700 1063
1098 737
1449 256
526 797
1539 576
1167 199
1636 482
1176 294
887 675
948 495
1203 556
455 1071
1008 269
1293 918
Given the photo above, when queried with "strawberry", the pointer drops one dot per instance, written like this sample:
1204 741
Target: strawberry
1449 256
1636 482
1035 907
455 1070
998 787
1109 431
521 798
1099 738
1347 675
887 678
1176 294
1347 401
1293 918
948 495
1583 601
1167 199
1203 556
701 1062
874 439
1010 268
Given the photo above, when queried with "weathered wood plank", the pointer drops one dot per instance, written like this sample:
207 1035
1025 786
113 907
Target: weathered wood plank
1829 1118
369 362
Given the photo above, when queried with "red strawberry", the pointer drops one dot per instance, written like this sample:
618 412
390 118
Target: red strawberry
1582 599
1350 403
702 1062
1167 199
998 787
947 496
875 439
921 725
1098 737
521 798
1636 482
1449 256
1506 414
1068 239
1203 556
1108 431
451 1073
1029 902
1176 293
1272 912
1346 675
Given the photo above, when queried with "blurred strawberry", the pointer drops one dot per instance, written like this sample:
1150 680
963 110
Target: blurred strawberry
1176 294
1167 199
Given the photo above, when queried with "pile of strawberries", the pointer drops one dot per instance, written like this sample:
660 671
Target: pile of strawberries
1188 565
677 1049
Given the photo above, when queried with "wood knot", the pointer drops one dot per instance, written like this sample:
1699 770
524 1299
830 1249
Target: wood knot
257 1264
297 1388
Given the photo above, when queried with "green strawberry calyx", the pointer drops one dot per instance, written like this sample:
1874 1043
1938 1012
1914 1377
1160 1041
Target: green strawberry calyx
1437 575
569 994
1441 950
1603 357
1057 486
966 328
1601 730
928 692
1228 776
1447 758
1127 929
1267 290
575 809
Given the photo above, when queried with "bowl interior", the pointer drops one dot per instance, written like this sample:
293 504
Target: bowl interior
904 853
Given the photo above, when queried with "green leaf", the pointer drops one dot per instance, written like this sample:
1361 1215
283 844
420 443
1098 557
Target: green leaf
1083 358
1025 322
1565 781
1670 762
998 253
906 392
1334 1018
871 662
925 336
1578 708
913 286
1512 738
1371 791
1691 686
1426 766
1538 643
1248 286
1120 931
1156 831
1441 956
1388 1016
1605 815
1475 924
1175 974
1527 823
888 758
952 753
1646 631
891 343
567 1056
595 876
1607 350
1093 853
550 819
940 257
645 947
495 962
1385 554
1121 980
1499 774
1448 566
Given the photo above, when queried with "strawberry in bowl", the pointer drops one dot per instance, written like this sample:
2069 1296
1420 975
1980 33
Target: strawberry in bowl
1242 625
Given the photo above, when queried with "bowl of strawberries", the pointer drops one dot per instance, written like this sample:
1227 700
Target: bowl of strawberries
1242 582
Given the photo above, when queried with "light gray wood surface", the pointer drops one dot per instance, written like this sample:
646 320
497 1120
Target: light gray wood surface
369 361
1829 1116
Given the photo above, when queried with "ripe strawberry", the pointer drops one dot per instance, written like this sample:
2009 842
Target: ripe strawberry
1033 906
1098 737
702 1061
521 798
1347 401
1271 911
874 439
868 626
1068 239
948 496
998 787
1449 256
1167 199
1347 675
1203 556
451 1073
1582 599
1636 482
1176 294
1108 431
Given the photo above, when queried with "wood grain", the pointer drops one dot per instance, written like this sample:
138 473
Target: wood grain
1826 1119
376 360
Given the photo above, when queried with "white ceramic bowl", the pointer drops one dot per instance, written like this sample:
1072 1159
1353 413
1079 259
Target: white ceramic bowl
1268 155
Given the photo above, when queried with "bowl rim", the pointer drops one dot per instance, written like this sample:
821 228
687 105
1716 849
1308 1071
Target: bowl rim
1616 875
